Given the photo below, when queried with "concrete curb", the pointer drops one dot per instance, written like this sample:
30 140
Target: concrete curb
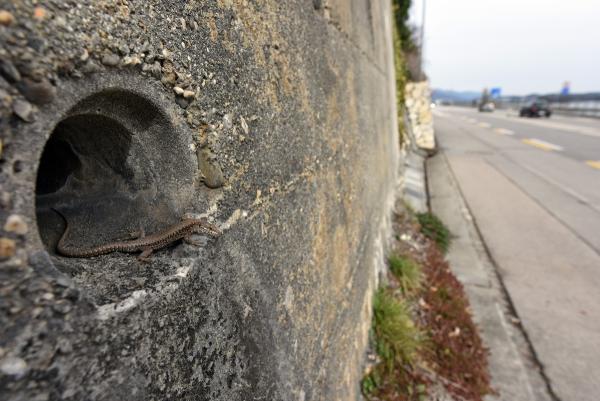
515 374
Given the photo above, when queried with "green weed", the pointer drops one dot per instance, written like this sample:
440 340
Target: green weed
369 383
397 338
433 228
408 273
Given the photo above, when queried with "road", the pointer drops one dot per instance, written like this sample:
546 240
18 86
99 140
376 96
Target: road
533 188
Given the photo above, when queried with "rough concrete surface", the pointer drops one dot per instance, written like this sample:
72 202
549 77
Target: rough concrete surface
275 120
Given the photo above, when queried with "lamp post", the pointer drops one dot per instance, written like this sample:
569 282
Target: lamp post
422 40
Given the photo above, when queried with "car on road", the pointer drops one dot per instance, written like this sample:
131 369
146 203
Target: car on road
488 106
535 108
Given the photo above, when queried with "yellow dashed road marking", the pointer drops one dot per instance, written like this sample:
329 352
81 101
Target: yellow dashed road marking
484 125
593 163
538 143
504 131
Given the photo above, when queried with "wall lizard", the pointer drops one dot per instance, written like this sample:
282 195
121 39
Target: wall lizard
144 244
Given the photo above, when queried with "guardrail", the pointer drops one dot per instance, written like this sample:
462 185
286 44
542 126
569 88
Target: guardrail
583 108
590 108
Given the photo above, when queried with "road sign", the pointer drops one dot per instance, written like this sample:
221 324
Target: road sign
496 92
566 88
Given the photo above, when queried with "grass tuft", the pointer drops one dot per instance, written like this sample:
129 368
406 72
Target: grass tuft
433 228
398 340
408 273
369 383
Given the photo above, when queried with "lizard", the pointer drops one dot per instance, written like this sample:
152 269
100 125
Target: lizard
144 244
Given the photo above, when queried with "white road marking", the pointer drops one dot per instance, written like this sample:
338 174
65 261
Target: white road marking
582 199
504 131
538 143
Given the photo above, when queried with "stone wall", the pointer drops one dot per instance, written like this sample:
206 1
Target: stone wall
418 108
274 119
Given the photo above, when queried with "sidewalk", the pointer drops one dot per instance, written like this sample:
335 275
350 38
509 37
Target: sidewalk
513 368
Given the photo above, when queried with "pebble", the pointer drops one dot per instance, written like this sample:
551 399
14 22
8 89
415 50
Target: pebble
91 67
132 60
183 103
7 248
6 18
39 13
23 110
65 346
189 94
18 166
154 69
110 60
62 307
213 175
227 121
60 22
244 125
12 366
150 58
169 75
37 92
5 199
123 49
178 90
9 71
4 96
16 224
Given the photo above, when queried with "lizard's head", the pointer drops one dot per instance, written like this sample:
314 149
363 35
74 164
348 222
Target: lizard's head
204 227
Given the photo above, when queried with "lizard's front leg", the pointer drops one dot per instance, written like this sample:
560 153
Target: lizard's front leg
145 255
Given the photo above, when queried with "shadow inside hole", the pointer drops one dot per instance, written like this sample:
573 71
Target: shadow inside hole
84 173
86 153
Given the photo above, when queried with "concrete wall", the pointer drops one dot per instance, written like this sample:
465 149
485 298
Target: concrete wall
274 119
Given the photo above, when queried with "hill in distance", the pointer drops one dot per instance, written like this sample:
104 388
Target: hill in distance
468 96
454 96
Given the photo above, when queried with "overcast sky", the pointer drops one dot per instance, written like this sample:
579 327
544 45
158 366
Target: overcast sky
522 46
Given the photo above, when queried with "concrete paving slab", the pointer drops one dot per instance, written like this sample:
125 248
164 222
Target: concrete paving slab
414 188
514 373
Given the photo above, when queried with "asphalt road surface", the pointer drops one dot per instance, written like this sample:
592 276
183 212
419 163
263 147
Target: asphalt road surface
533 187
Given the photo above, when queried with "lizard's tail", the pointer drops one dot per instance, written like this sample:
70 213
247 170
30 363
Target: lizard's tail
60 246
64 250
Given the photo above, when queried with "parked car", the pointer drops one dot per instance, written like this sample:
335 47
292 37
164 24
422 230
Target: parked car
535 108
488 106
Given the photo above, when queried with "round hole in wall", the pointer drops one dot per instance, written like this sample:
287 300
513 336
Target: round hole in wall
113 164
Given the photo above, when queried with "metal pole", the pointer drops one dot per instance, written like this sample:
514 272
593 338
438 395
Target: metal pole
422 40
